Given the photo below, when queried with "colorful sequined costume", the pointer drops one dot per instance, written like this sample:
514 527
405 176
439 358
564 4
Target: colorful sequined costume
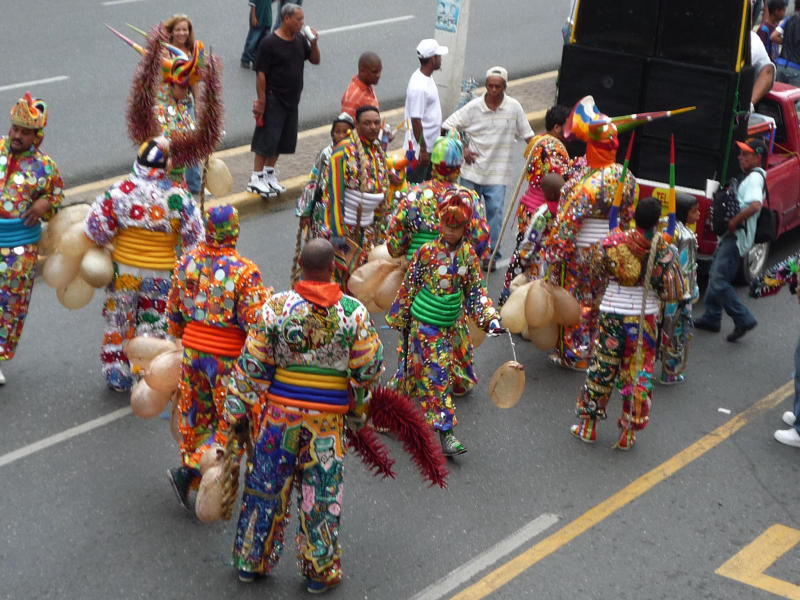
216 296
547 155
416 221
310 203
24 178
621 262
174 115
357 181
439 287
306 363
150 220
676 326
582 221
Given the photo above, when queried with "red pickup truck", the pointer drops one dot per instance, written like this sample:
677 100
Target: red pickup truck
776 119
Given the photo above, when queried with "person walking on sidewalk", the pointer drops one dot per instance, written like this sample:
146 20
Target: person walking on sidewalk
260 20
279 83
361 90
736 243
423 112
493 122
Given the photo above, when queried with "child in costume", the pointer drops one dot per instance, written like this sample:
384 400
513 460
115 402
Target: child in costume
310 207
545 154
416 221
443 282
676 328
637 268
528 257
216 296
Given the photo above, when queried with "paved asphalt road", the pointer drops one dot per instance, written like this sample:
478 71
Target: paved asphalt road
93 517
86 133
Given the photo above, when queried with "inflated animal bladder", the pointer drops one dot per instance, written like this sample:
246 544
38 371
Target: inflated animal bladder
507 384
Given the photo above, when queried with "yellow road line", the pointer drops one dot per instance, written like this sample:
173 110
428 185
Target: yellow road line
519 564
749 564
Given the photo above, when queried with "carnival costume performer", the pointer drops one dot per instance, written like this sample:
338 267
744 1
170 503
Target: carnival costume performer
355 196
145 217
310 206
168 110
528 258
304 367
31 191
676 325
638 269
582 221
216 296
443 282
545 154
416 221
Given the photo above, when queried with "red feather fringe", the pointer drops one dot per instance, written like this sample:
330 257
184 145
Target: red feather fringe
191 147
142 123
404 418
373 453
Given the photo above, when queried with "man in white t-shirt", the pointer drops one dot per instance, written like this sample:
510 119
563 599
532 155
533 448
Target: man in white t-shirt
423 109
493 123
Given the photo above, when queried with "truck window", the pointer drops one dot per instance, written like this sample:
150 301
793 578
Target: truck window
773 109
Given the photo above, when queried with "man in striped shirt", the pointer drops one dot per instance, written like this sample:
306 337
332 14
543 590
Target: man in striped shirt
493 123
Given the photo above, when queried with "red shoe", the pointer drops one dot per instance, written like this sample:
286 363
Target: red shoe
585 431
626 441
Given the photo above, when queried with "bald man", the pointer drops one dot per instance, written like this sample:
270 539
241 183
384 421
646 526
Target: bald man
360 92
312 352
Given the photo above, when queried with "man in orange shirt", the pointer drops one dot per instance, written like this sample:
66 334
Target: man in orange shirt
360 92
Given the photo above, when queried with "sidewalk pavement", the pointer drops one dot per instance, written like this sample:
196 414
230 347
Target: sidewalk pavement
536 94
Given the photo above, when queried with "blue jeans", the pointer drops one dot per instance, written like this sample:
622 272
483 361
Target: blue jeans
797 386
494 198
720 293
194 178
254 36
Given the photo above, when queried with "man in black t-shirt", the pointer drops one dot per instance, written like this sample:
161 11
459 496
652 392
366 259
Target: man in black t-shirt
279 82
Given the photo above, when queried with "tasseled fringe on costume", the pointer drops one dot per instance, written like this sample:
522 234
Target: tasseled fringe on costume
188 148
403 418
142 123
777 276
372 452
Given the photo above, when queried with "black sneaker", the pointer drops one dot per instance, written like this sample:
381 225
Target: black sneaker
706 326
181 479
491 268
740 331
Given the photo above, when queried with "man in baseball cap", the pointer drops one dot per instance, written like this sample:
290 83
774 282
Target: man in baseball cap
429 47
423 112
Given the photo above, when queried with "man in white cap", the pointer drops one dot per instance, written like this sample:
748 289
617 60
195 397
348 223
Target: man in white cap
423 109
493 122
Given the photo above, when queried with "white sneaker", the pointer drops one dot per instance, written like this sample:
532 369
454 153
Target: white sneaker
258 185
789 418
2 378
271 177
790 437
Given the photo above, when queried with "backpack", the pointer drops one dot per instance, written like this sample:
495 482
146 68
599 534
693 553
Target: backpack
724 206
767 223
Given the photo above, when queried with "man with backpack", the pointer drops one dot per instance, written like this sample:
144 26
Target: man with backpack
735 243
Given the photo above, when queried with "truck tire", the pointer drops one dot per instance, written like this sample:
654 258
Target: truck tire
753 263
